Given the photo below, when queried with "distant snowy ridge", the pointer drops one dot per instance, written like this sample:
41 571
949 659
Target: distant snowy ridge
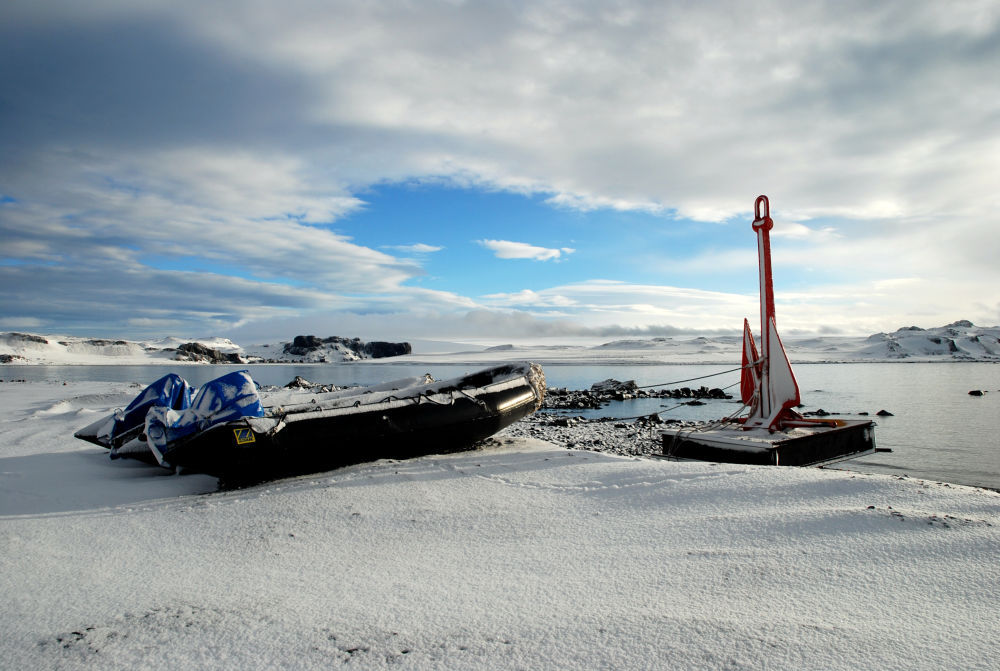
29 348
959 341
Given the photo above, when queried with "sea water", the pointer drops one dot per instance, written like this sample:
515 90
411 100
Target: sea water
936 430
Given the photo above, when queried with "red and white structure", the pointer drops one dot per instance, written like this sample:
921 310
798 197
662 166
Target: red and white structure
773 433
768 385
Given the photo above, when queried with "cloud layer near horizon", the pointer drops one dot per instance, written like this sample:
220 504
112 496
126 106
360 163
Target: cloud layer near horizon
182 165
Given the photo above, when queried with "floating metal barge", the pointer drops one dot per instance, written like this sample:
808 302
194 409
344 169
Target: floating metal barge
800 446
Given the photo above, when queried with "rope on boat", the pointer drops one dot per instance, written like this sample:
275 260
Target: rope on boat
451 398
425 395
475 399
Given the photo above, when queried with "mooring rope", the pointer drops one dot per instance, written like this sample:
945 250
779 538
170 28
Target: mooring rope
664 409
701 427
692 379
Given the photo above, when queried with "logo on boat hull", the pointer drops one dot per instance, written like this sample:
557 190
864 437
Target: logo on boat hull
244 436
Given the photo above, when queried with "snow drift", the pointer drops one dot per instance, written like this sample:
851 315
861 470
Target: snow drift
520 555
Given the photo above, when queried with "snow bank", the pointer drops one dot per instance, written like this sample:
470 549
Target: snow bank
521 555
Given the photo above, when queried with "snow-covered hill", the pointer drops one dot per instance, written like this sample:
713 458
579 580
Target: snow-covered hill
29 348
959 341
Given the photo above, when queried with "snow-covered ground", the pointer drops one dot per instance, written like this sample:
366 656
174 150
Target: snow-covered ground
958 341
521 555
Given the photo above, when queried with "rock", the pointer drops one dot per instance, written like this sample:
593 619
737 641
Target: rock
611 385
194 351
884 413
307 342
304 345
27 337
602 393
378 349
976 392
299 383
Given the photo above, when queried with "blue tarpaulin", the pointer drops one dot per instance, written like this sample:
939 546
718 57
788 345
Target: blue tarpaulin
170 391
224 399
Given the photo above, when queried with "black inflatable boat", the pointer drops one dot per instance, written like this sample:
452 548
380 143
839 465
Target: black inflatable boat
230 429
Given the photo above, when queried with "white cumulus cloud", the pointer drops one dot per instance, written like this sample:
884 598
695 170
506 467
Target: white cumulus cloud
506 249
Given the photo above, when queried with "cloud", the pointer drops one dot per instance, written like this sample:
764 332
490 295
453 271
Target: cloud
505 249
418 248
576 102
138 135
527 297
14 322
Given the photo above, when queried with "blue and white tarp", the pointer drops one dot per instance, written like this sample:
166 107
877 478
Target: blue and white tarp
224 399
170 391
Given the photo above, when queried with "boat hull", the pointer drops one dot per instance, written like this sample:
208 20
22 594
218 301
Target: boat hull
323 439
802 446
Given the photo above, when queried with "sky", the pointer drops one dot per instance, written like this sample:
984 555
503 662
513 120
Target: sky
495 171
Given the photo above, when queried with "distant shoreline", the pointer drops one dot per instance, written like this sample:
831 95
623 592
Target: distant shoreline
482 361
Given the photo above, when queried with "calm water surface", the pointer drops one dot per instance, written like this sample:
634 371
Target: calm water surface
937 431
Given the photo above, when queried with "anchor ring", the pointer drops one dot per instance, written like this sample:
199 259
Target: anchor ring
762 214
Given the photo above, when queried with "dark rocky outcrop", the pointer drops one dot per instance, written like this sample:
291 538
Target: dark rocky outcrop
611 385
27 337
601 393
303 345
378 349
299 383
193 351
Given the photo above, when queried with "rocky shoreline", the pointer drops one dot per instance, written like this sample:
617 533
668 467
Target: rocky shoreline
632 438
637 437
601 393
